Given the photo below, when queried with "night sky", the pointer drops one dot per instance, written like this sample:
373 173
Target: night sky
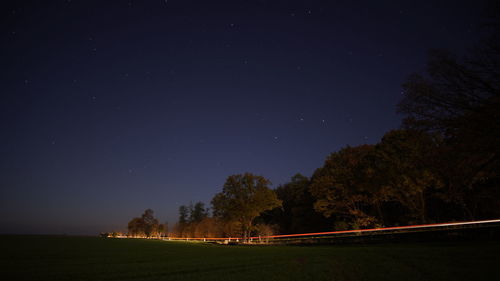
111 107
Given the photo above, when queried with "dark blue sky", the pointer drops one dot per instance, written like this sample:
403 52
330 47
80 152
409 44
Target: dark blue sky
111 107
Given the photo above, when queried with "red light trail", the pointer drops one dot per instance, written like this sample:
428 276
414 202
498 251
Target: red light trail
420 226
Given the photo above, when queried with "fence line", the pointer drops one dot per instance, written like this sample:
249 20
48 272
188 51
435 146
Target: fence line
334 233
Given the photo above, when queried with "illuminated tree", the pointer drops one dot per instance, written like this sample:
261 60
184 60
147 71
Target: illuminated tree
136 227
198 212
402 168
147 225
243 198
341 188
150 223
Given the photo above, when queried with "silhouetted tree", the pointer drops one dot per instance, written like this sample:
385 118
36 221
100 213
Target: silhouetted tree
297 214
147 225
166 229
150 223
460 98
342 190
183 214
198 212
401 168
183 220
136 227
243 198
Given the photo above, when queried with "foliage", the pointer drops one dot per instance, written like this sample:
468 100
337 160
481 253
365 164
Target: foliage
194 221
342 189
460 99
243 198
297 214
136 228
198 213
183 214
403 173
145 226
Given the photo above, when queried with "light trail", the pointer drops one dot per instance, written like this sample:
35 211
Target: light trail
433 225
383 229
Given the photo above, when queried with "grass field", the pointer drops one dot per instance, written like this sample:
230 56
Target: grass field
86 258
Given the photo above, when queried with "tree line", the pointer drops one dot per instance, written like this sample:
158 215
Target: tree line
146 226
234 210
441 165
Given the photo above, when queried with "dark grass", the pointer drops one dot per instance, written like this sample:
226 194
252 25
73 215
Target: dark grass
86 258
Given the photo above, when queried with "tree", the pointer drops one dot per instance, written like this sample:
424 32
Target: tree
166 229
161 230
207 227
183 214
342 190
297 214
198 212
243 198
147 225
136 227
183 220
460 98
403 170
150 223
190 217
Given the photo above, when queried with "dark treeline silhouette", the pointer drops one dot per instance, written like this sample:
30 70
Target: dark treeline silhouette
242 199
441 165
146 226
194 221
